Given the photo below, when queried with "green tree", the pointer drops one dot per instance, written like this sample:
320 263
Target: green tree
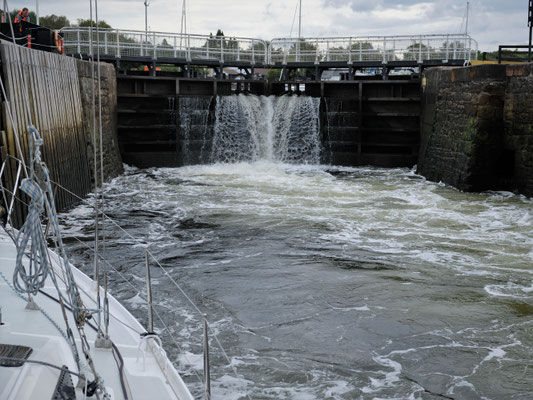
87 22
363 51
306 50
54 21
273 74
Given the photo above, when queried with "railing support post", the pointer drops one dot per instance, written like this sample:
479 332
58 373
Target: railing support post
207 374
221 49
350 51
420 50
150 327
155 48
118 45
253 53
447 47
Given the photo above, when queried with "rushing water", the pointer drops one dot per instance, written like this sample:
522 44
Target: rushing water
322 282
326 282
252 128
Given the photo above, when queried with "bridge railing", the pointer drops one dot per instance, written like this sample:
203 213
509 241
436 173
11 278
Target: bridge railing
373 48
155 45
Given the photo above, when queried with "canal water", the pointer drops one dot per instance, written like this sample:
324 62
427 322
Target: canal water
328 283
320 282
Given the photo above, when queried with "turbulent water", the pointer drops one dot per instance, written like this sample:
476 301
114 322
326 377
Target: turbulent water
252 128
327 283
319 282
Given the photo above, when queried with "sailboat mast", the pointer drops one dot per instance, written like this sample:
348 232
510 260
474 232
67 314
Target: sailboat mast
300 21
467 14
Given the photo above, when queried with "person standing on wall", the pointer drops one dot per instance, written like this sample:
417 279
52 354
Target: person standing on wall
22 16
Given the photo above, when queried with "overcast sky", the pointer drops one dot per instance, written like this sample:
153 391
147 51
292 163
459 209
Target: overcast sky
491 22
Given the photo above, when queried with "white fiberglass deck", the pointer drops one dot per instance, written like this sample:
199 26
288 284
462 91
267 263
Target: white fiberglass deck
148 377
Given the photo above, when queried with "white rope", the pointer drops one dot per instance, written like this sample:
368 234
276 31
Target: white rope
181 290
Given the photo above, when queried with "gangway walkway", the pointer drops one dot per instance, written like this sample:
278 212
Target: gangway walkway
207 50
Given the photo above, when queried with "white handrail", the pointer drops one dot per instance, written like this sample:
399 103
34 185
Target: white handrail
385 49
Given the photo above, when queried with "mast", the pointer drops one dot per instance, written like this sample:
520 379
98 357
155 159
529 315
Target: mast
467 14
300 21
146 4
183 28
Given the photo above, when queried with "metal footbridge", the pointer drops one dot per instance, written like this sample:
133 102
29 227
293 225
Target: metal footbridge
215 51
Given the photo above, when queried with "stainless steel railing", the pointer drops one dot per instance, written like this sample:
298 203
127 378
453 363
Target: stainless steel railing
373 48
157 45
128 43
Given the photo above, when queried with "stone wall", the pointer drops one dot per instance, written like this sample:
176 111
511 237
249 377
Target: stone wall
112 160
462 126
518 122
476 127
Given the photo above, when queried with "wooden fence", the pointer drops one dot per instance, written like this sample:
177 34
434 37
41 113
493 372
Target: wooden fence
43 89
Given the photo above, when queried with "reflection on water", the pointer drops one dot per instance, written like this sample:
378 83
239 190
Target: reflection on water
329 283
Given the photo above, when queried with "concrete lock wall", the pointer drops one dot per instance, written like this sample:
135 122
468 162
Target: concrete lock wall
108 83
476 127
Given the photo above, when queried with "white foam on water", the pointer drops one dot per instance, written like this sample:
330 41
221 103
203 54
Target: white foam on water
389 377
253 128
188 360
475 243
510 289
338 389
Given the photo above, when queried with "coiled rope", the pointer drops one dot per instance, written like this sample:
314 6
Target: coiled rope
31 279
38 187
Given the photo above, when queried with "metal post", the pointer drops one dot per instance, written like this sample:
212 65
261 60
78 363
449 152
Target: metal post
118 45
530 23
146 23
360 51
207 374
253 53
188 48
350 52
529 49
420 51
37 11
467 14
447 47
150 328
105 42
300 21
384 51
79 43
155 48
221 48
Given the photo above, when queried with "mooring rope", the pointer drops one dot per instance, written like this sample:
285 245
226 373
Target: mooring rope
38 186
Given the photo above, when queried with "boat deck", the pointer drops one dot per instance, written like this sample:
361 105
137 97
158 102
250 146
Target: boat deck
148 374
